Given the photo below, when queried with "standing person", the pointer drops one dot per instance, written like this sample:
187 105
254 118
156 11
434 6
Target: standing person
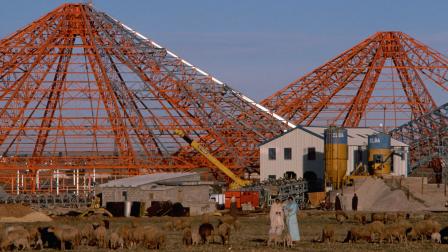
233 208
355 202
337 203
276 216
291 218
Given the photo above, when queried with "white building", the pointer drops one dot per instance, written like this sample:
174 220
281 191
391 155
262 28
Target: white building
301 151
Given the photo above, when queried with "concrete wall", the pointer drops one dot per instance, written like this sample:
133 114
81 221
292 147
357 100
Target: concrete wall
195 197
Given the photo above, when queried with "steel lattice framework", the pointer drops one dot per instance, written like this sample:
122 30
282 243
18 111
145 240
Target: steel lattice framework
383 80
79 90
427 137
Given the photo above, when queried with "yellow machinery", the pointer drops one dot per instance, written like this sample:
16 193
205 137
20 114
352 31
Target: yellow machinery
96 209
380 154
336 155
237 181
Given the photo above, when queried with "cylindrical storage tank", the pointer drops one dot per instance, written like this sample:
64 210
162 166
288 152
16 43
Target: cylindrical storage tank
127 208
336 155
379 149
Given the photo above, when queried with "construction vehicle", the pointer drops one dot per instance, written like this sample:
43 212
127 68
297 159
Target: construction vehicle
237 181
96 209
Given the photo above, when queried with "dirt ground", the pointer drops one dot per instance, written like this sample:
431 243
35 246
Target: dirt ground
253 234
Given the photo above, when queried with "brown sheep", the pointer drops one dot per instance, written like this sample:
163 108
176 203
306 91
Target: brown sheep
187 238
424 229
154 238
100 236
341 216
274 239
391 218
205 231
65 233
115 241
21 244
35 240
168 226
86 234
361 218
286 239
395 232
377 217
11 237
223 231
237 225
328 233
376 228
125 233
358 233
195 238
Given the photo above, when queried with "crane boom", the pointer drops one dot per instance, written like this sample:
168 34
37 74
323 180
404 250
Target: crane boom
237 181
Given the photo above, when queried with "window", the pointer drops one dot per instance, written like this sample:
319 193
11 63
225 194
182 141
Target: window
125 195
287 152
312 153
272 177
272 154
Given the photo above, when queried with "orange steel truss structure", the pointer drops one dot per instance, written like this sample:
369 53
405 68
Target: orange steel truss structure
82 94
381 82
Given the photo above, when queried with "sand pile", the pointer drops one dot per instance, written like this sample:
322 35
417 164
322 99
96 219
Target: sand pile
21 213
375 195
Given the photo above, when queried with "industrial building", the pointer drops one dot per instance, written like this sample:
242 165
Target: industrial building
185 188
300 152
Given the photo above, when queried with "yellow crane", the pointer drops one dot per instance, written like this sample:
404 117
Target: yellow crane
237 181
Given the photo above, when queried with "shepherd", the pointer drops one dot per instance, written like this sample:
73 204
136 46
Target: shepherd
291 219
276 217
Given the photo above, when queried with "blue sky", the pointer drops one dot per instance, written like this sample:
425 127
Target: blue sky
259 46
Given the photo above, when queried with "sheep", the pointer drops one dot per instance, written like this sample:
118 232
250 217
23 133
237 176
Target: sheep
21 244
287 240
154 238
360 218
358 233
436 237
35 238
237 225
424 229
195 238
205 231
341 216
391 217
12 238
377 217
168 226
328 233
181 224
65 233
100 236
115 241
395 232
274 239
187 237
86 234
223 231
376 228
125 234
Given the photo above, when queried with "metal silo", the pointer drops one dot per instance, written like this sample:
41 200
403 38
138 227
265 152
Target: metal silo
336 155
380 160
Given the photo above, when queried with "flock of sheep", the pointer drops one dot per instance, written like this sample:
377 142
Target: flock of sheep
385 227
70 234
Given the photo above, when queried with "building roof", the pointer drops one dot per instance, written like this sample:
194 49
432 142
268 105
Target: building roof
356 136
147 179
